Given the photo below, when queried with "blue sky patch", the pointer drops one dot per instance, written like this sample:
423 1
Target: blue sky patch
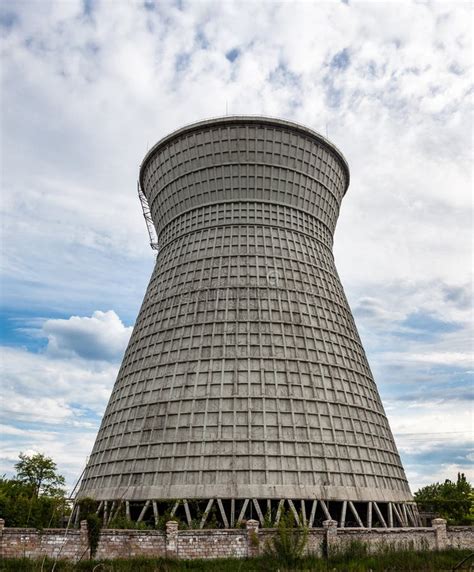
442 452
8 19
149 5
19 328
427 325
87 7
282 75
341 60
232 54
201 39
182 61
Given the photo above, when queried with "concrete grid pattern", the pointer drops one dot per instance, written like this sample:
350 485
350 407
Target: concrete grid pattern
245 376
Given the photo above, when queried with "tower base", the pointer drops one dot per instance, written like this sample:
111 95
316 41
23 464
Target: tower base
232 513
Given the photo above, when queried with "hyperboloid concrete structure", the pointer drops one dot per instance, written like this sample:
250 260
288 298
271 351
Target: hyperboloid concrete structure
245 388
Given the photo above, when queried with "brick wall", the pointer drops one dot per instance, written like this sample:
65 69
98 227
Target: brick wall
32 543
130 543
461 537
219 543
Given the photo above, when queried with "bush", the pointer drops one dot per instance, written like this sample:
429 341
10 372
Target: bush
87 512
289 542
20 507
122 522
94 525
453 501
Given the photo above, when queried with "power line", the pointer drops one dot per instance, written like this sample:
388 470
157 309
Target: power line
434 433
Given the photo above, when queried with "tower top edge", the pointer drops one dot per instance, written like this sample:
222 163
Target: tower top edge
242 120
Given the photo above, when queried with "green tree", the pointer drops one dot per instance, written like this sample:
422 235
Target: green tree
453 501
20 508
35 496
40 472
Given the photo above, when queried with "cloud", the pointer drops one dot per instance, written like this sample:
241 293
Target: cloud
438 474
40 388
433 435
52 404
100 337
109 85
89 90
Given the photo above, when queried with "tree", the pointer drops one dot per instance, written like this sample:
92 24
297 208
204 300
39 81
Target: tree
453 501
40 472
20 508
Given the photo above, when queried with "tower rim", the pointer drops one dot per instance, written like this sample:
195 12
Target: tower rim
245 119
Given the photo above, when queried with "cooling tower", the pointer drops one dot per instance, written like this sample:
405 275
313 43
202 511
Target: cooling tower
245 388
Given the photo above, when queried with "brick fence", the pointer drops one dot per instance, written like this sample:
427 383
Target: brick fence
219 543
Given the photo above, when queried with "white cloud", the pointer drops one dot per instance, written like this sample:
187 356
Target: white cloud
102 336
53 400
439 475
434 358
429 425
40 388
52 405
103 87
88 93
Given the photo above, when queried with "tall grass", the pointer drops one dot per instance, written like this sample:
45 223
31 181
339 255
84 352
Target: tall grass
353 559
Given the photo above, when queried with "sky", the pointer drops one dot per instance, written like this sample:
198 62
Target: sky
88 86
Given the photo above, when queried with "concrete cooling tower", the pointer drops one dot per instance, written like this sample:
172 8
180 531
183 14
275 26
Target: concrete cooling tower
245 388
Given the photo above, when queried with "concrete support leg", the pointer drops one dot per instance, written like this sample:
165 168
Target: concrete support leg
441 535
172 538
253 541
330 529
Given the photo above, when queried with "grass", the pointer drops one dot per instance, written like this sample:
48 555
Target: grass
348 561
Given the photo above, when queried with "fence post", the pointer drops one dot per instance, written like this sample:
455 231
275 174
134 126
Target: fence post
330 536
2 526
83 540
253 541
171 538
441 534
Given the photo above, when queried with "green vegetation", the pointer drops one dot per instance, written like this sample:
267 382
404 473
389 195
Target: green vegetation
87 510
35 497
40 473
122 522
405 561
453 501
288 545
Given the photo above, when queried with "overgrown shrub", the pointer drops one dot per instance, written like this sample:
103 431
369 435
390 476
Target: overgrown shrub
122 522
94 525
87 512
289 542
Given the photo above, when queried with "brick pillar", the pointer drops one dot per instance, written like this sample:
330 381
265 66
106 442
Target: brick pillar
171 538
83 540
2 526
441 535
330 536
253 541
